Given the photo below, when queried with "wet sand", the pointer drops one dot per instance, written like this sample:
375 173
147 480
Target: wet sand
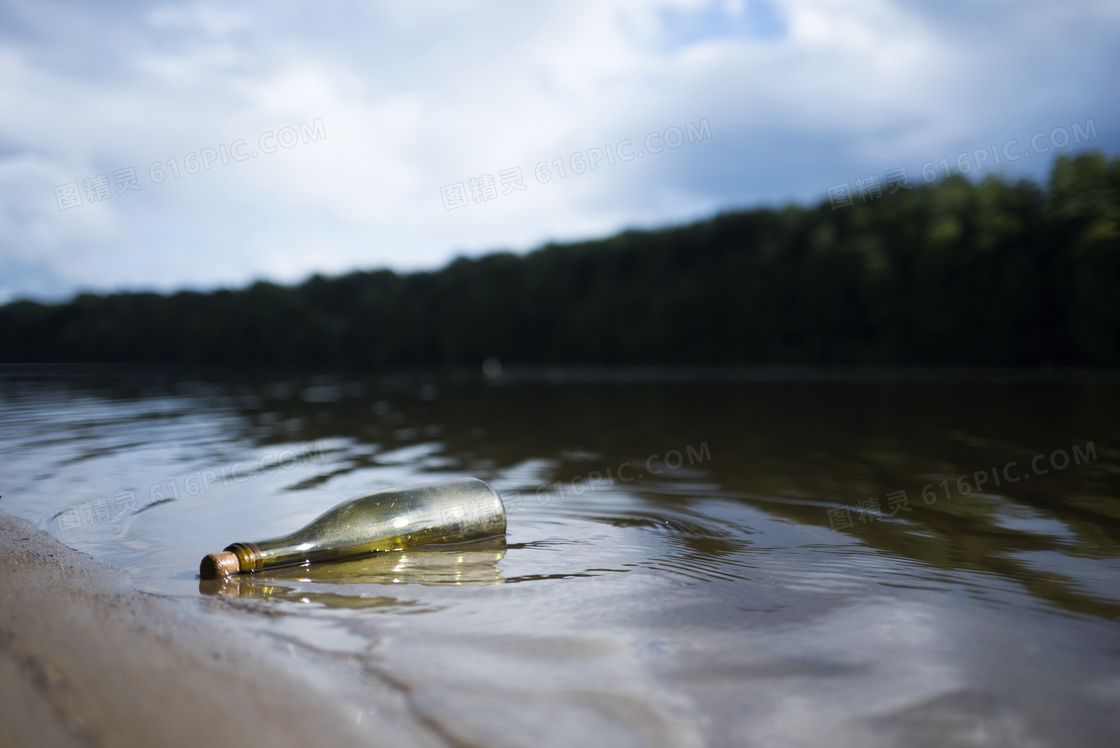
84 660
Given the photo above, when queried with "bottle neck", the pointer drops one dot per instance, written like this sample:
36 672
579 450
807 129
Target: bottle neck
289 550
249 556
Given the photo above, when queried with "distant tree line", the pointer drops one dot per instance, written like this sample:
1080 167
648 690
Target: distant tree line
956 273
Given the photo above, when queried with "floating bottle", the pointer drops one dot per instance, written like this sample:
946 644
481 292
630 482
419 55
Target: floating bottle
454 511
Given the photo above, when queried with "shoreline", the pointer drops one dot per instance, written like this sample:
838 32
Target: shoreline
85 660
510 374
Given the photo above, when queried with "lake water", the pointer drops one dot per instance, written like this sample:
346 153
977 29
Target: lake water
767 558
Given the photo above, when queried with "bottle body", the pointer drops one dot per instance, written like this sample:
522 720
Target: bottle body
454 511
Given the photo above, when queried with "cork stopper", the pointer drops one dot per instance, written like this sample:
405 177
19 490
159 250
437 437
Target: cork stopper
217 565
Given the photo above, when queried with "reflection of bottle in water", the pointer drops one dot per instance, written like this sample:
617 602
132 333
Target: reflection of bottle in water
348 583
454 511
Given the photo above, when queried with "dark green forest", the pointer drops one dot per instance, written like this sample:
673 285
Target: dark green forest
956 273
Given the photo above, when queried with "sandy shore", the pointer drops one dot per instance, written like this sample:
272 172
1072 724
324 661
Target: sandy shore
86 661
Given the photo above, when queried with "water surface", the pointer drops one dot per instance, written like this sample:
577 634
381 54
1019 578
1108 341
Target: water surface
696 562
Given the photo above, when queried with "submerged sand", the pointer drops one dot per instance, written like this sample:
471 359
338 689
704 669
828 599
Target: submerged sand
85 660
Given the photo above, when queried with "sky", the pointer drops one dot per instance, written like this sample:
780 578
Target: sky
163 146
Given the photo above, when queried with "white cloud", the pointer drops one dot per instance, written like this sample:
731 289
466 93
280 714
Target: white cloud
414 96
210 19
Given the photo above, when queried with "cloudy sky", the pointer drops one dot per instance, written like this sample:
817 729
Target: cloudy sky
279 139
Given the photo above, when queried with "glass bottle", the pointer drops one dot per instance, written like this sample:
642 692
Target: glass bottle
454 511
